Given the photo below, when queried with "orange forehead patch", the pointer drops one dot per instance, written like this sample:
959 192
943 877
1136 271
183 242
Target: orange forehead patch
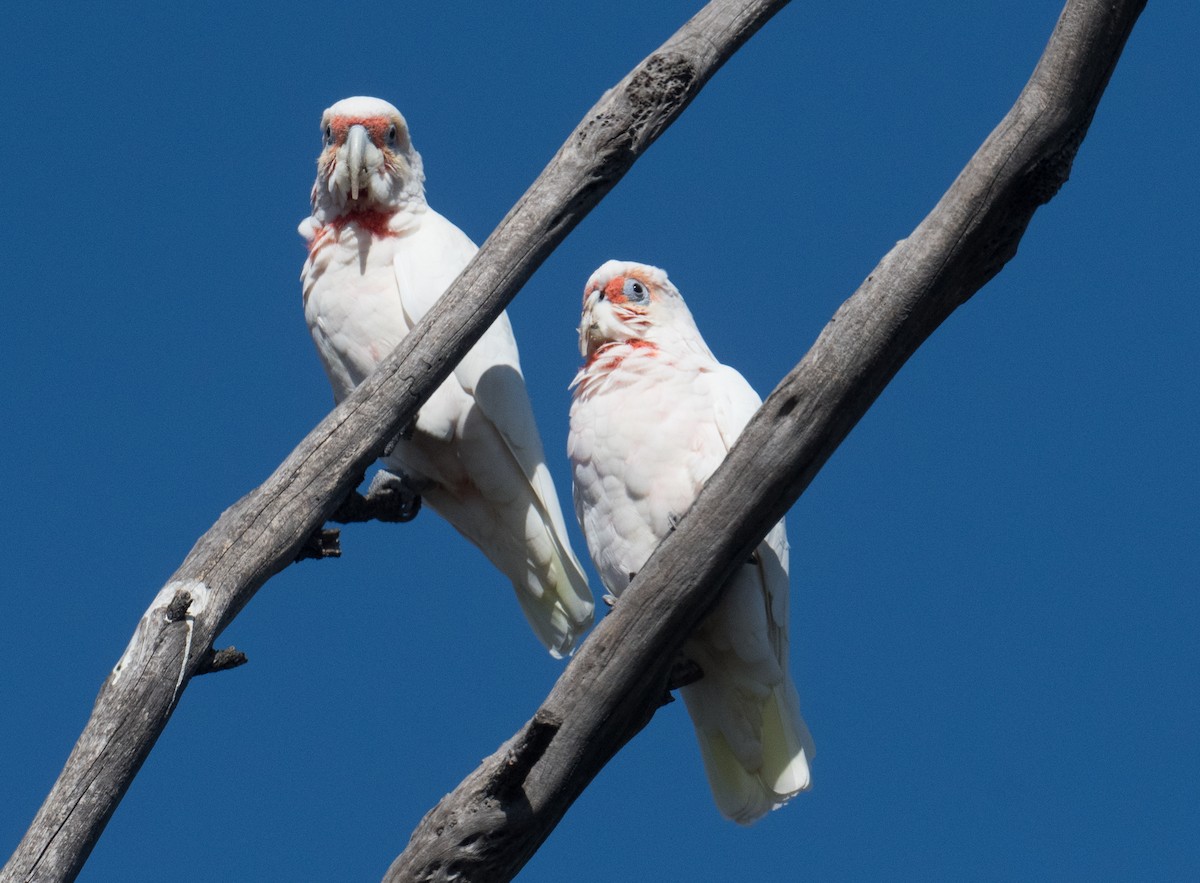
377 127
614 290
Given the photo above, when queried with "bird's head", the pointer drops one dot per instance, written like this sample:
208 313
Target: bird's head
630 302
367 163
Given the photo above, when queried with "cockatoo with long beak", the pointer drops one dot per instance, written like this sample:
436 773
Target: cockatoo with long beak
378 259
654 415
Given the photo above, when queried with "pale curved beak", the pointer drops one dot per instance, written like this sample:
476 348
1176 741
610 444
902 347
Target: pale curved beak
355 152
589 330
357 160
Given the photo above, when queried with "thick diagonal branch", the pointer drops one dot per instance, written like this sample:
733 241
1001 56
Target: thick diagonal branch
615 682
263 532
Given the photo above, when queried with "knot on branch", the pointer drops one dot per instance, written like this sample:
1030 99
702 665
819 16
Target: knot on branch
221 660
656 90
1048 175
525 751
663 83
178 608
665 79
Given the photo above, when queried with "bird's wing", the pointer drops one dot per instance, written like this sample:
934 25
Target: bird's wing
425 262
755 744
428 260
490 374
735 403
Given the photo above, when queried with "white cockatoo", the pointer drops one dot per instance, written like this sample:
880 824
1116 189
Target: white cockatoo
378 259
654 415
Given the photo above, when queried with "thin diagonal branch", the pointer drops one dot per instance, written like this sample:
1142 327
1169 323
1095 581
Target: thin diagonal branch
262 533
612 687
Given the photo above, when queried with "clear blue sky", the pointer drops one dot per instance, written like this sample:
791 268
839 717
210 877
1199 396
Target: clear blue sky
994 580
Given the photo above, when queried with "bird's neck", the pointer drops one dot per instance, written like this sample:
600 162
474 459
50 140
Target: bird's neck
377 222
616 364
613 354
363 225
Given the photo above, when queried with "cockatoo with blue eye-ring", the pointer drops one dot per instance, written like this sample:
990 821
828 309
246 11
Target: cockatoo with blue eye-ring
654 414
378 259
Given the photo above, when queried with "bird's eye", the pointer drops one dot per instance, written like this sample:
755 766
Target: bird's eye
328 133
634 291
392 135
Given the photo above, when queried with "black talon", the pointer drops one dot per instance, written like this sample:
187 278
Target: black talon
322 543
408 509
683 672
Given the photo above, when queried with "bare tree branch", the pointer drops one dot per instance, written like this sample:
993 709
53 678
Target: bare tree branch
612 687
264 531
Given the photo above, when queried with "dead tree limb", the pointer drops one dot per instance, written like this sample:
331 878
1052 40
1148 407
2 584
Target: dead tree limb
264 531
494 821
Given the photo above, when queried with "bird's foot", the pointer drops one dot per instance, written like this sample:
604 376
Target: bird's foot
390 497
322 543
395 496
682 673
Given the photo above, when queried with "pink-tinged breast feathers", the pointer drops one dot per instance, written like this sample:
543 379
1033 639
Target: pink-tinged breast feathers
610 356
373 221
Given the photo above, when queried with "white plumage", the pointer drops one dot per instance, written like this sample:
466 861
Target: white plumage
379 258
653 417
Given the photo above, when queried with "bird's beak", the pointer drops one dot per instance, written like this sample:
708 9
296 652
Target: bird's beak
590 336
359 157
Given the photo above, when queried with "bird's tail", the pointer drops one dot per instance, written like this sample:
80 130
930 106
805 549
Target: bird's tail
756 748
552 590
555 598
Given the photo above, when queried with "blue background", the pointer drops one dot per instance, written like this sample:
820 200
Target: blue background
994 579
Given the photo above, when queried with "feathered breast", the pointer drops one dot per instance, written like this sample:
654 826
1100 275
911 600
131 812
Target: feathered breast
618 362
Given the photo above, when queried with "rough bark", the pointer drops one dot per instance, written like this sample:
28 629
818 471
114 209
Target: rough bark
497 818
266 530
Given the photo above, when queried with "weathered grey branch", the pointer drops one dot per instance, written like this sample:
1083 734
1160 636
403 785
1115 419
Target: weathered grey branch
613 685
264 531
